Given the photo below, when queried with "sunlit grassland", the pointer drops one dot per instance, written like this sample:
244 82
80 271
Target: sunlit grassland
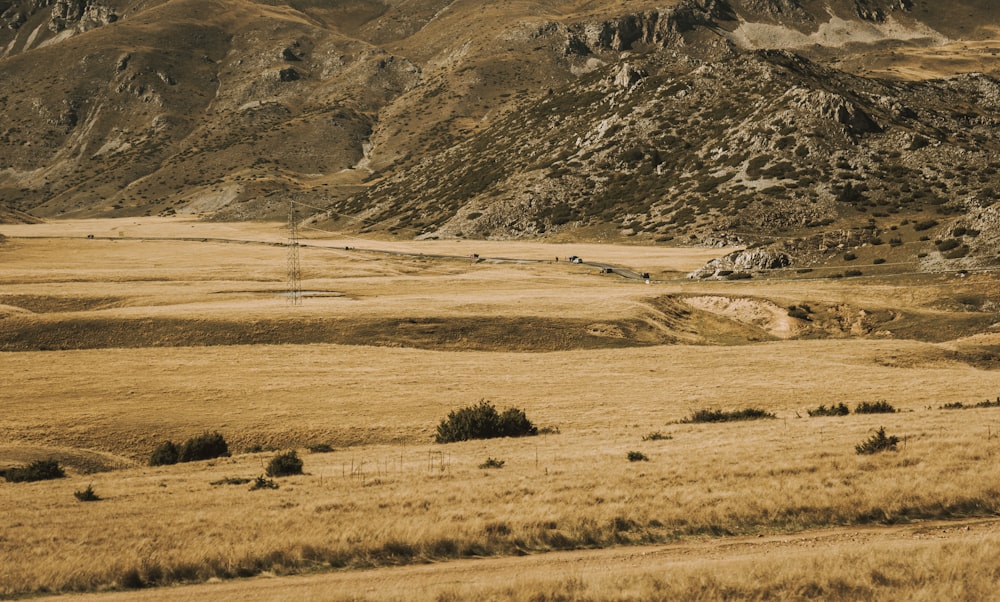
387 495
411 501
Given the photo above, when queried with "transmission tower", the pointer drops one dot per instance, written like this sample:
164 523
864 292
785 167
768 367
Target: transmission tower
294 268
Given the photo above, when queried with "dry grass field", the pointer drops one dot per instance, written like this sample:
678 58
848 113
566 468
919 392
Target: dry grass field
159 329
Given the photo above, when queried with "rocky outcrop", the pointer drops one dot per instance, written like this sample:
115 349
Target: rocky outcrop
654 28
80 15
746 261
628 75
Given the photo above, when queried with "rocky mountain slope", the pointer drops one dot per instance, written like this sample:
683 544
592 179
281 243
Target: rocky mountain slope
815 126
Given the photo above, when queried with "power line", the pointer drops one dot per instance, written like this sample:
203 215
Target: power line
294 268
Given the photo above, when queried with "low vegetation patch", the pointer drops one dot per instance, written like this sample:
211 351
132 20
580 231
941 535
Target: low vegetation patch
232 481
87 495
483 421
39 470
878 407
958 405
636 456
840 409
721 416
879 442
656 436
262 483
284 465
492 463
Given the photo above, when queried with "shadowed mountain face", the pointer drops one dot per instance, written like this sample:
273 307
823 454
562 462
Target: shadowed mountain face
694 121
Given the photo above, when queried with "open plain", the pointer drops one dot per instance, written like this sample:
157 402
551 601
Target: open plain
116 335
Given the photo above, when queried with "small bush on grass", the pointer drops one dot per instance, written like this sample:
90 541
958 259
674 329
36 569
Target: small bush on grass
320 448
879 407
958 405
165 453
635 456
203 447
720 416
657 436
482 421
492 463
39 470
989 404
284 465
834 410
262 483
87 495
878 442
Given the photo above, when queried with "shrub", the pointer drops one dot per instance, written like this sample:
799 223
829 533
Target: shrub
482 421
850 256
492 463
635 456
879 407
720 416
87 495
203 447
840 409
925 225
878 442
164 454
262 483
878 261
284 465
320 448
852 273
799 313
39 470
657 436
948 244
739 276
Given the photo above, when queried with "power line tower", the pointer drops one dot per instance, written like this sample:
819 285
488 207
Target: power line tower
294 268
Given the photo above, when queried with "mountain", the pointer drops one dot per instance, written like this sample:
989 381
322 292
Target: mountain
814 126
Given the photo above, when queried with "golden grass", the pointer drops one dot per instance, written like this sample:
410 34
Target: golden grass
388 496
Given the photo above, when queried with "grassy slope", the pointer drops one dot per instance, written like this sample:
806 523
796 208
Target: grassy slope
387 495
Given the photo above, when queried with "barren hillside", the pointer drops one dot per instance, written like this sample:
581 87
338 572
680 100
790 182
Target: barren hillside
820 125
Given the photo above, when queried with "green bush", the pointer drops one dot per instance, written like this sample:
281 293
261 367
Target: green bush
39 470
720 416
878 442
834 410
203 447
482 421
879 407
284 465
165 453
